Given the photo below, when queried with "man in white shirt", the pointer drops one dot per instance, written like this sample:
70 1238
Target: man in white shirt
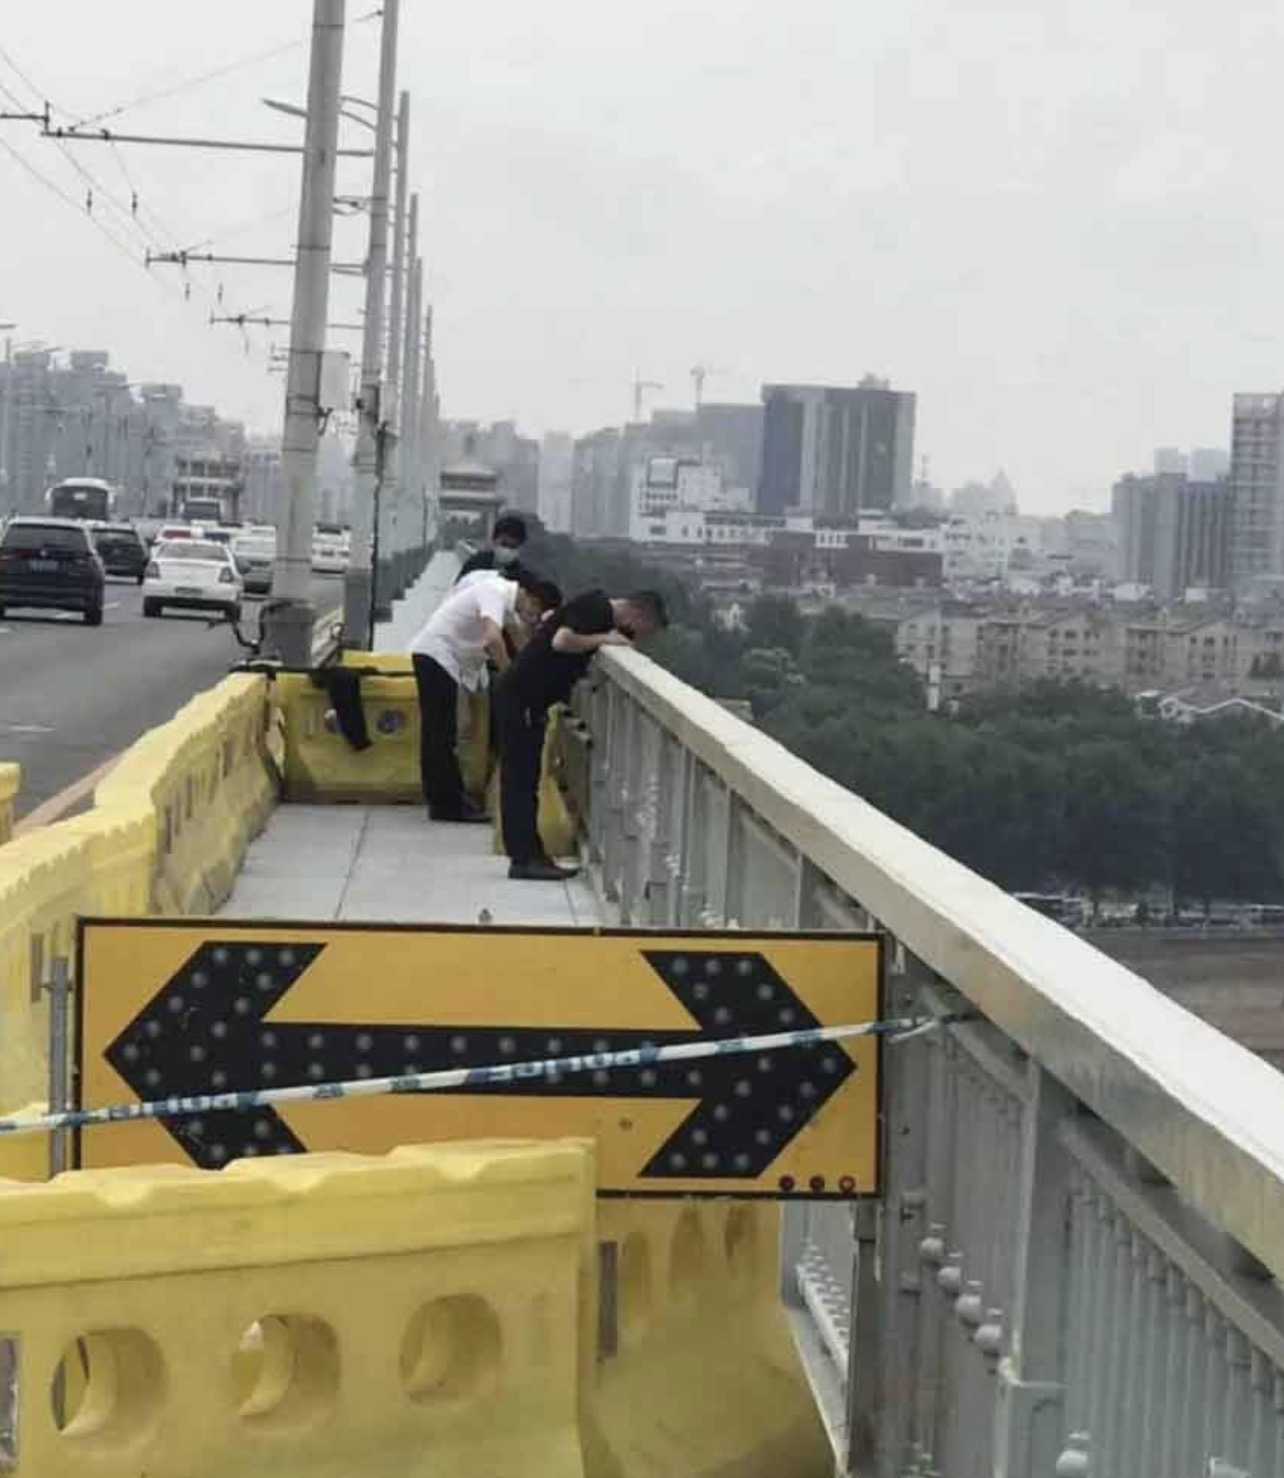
451 652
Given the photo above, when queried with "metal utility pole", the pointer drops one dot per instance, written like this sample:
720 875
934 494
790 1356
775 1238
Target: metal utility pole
407 521
428 431
365 460
384 593
291 616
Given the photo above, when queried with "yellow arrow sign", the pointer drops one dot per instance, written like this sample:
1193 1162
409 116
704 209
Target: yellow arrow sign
182 1008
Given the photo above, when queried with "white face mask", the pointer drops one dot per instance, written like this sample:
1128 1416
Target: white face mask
504 555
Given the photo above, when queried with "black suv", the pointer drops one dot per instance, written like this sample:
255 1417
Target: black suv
51 563
121 550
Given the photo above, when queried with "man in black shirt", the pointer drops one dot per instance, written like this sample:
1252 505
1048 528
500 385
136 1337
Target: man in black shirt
506 540
543 674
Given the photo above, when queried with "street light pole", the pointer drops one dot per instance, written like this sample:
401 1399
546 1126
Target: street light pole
407 522
384 593
290 618
365 459
428 439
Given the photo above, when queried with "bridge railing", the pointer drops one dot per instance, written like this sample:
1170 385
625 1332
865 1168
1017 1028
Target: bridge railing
1073 1265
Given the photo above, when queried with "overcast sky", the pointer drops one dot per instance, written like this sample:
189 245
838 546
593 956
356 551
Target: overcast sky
1061 225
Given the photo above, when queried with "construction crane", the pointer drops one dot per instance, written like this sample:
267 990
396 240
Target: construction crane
699 374
640 387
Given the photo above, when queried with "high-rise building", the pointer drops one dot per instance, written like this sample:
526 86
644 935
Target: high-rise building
78 417
556 464
1173 533
599 486
1257 486
1208 463
731 436
833 452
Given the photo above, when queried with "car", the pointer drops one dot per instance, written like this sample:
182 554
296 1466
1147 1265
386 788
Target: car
120 549
51 564
192 575
254 551
168 532
331 548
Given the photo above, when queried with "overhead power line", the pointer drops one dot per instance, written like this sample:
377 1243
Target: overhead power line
190 84
75 205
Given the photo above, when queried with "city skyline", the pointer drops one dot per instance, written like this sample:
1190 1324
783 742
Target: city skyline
1016 222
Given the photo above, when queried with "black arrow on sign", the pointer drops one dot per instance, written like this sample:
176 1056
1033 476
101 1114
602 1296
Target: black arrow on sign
205 1032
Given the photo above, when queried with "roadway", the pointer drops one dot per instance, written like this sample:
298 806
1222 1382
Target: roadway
73 696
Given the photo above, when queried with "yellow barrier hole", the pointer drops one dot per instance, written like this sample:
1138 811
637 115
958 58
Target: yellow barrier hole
634 1288
451 1348
286 1371
108 1387
686 1258
741 1240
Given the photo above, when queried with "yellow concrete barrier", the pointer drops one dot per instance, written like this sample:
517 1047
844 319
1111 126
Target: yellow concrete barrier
698 1376
204 782
10 784
320 765
427 1312
26 1156
167 832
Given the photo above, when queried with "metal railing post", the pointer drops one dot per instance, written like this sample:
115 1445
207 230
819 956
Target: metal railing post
1031 1375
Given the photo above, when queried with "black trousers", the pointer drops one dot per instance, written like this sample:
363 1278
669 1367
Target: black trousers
521 751
438 733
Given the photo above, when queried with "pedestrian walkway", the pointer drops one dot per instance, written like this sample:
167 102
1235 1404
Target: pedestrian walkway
391 863
347 862
418 603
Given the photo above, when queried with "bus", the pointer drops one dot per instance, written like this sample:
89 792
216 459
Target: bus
203 510
87 498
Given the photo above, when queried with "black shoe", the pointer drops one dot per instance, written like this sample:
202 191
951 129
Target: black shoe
540 871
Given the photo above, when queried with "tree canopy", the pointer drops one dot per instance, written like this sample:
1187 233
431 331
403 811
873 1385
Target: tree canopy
1060 785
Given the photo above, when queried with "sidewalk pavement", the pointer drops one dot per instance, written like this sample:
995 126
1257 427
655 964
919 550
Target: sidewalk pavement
419 602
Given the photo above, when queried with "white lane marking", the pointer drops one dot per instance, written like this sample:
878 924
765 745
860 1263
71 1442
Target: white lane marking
26 728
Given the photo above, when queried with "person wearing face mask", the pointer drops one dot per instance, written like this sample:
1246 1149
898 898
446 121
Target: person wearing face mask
506 540
465 632
541 675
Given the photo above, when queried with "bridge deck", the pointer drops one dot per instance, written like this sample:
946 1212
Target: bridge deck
391 863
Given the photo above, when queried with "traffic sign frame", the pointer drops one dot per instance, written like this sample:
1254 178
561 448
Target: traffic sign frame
168 947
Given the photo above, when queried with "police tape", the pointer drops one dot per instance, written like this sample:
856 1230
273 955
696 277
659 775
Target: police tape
464 1077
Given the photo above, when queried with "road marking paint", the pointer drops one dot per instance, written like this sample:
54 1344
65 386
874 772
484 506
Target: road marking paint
58 805
27 729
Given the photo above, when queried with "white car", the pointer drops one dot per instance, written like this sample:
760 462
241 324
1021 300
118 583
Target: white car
330 553
192 575
255 554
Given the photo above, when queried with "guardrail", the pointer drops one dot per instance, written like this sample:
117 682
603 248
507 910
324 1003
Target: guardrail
1073 1268
166 834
